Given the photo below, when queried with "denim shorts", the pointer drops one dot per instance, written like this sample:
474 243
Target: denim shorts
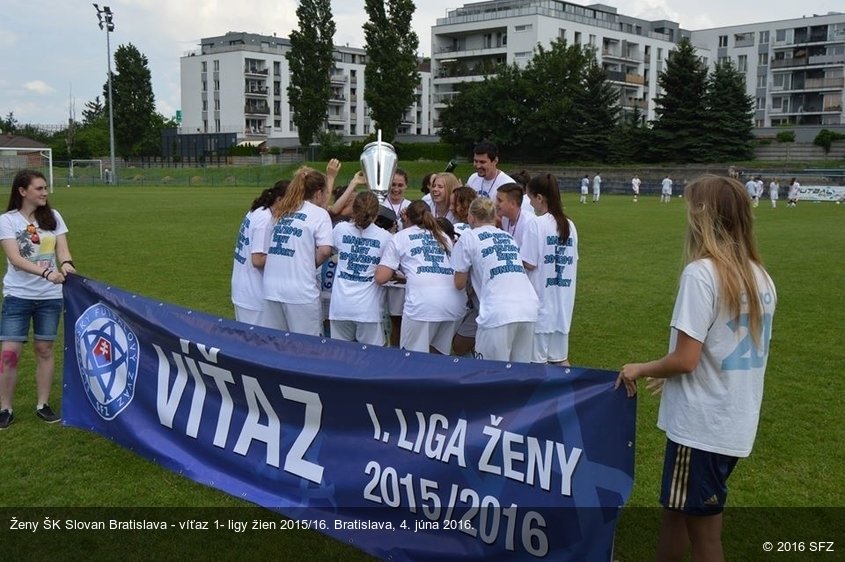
17 313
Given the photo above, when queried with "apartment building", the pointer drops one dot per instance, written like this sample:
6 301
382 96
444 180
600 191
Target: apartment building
472 40
237 83
794 69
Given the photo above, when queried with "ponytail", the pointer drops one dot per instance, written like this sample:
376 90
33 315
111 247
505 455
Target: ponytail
419 214
546 185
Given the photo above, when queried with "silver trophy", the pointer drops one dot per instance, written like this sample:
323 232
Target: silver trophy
378 161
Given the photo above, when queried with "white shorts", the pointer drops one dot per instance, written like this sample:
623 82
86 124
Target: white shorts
395 300
550 347
299 318
418 335
370 333
468 327
248 316
511 342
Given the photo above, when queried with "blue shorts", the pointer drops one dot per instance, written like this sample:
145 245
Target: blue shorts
695 481
17 314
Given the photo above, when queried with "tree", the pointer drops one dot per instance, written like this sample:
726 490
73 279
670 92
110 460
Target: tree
492 109
93 112
392 72
678 132
134 104
730 115
310 60
630 139
554 76
9 125
595 115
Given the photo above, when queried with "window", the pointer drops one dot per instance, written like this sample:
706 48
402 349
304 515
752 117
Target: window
763 59
523 28
761 81
522 55
764 37
204 86
723 60
742 63
216 85
205 105
217 125
577 40
216 65
780 35
216 105
488 40
204 66
561 33
761 103
723 40
744 39
592 40
659 53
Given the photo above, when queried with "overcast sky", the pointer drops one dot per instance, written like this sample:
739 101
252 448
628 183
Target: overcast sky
52 52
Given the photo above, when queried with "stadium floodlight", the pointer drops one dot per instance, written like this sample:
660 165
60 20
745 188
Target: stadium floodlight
105 17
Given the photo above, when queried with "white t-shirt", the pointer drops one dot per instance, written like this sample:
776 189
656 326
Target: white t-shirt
35 245
430 293
716 408
666 188
504 292
449 216
585 186
596 183
526 227
555 276
248 280
751 188
289 274
487 188
355 294
398 208
773 190
635 185
793 190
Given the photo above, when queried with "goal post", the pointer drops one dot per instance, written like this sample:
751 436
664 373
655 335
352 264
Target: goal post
14 158
79 161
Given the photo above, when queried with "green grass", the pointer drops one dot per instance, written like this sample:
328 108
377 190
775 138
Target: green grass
175 244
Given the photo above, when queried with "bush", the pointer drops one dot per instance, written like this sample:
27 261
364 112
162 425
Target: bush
785 136
825 138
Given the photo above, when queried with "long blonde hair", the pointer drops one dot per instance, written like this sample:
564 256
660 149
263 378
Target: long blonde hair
721 228
306 182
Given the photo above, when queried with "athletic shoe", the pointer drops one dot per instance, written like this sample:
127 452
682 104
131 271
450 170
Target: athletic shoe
6 418
47 414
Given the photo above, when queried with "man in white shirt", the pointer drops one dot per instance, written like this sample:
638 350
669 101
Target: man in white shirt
635 186
596 188
487 177
515 221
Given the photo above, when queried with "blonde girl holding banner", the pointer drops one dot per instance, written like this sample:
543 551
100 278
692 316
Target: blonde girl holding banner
712 377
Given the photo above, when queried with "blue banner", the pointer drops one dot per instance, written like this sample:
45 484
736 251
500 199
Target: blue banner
408 456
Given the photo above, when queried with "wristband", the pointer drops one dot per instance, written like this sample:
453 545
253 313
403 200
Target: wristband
45 273
69 262
47 276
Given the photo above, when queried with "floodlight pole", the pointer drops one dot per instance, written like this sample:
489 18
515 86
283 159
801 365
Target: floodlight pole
105 17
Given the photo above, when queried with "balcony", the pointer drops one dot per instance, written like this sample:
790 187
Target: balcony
340 100
256 91
337 118
256 71
633 102
339 78
626 78
252 109
815 60
618 55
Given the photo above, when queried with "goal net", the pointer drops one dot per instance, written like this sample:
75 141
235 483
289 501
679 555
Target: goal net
14 159
85 170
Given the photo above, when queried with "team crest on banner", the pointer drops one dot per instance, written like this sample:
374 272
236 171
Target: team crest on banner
107 353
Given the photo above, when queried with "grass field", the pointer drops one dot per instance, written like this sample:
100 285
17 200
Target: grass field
175 244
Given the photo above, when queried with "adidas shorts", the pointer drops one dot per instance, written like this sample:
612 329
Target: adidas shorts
695 481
